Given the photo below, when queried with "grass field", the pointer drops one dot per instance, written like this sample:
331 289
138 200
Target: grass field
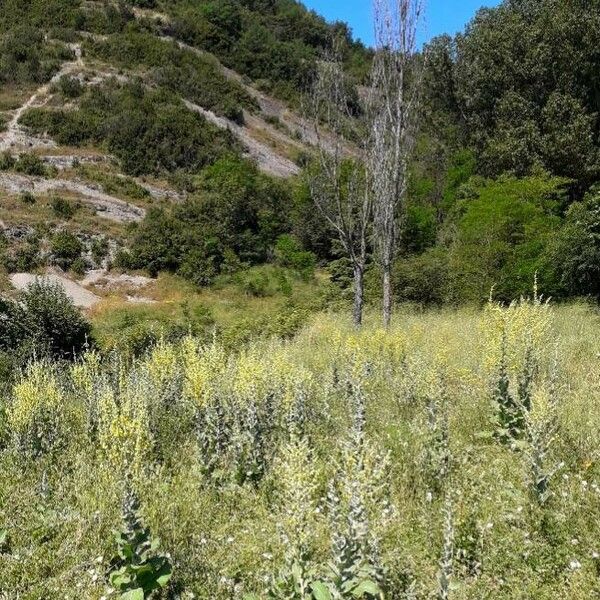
454 456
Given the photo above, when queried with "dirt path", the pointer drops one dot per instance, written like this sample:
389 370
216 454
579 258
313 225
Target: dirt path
14 135
107 206
80 296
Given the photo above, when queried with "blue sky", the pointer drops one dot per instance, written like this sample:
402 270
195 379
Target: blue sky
442 16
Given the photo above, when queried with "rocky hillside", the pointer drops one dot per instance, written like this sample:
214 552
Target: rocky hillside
109 110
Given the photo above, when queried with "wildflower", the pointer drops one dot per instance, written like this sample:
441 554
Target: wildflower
574 565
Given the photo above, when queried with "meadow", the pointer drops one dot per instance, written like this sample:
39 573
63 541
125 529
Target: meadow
452 456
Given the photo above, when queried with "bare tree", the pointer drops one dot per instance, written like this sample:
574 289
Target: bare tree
393 110
337 179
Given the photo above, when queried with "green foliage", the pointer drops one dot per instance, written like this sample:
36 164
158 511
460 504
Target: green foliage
502 230
30 164
43 319
237 212
26 58
191 75
70 87
277 43
63 208
573 257
149 131
6 161
522 83
289 253
139 569
66 249
28 198
423 279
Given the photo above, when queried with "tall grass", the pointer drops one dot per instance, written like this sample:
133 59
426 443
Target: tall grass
454 456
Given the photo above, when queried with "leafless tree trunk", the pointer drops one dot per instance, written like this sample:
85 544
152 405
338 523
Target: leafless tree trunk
337 180
393 110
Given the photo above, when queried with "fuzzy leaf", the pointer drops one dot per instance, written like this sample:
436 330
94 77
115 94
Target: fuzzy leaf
320 591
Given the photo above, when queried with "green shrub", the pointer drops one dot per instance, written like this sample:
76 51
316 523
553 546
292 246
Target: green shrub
27 198
70 87
30 164
44 320
422 279
6 161
79 266
63 208
289 253
255 283
66 248
99 249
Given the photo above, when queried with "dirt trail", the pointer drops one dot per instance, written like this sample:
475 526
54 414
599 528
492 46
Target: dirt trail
107 206
14 135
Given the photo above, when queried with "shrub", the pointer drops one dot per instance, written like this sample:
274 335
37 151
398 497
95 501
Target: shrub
70 87
27 198
30 164
79 266
66 248
255 283
573 257
289 253
43 319
422 279
6 161
63 208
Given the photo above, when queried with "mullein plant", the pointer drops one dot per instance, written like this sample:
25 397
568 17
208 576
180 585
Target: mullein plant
138 571
512 408
299 521
541 426
356 500
447 557
437 443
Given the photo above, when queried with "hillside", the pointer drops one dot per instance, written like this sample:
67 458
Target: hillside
110 110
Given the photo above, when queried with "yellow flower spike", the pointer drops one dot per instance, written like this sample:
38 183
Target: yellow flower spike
162 363
36 392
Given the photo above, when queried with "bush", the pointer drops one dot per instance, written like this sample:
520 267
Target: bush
63 208
66 248
255 283
573 257
79 266
289 253
6 161
30 164
25 257
422 279
70 87
43 319
27 198
502 230
235 219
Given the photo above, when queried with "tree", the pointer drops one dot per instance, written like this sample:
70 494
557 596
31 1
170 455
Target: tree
575 252
337 181
393 110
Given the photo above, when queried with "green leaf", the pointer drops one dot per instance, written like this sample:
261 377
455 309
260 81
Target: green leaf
251 597
366 587
137 594
320 591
